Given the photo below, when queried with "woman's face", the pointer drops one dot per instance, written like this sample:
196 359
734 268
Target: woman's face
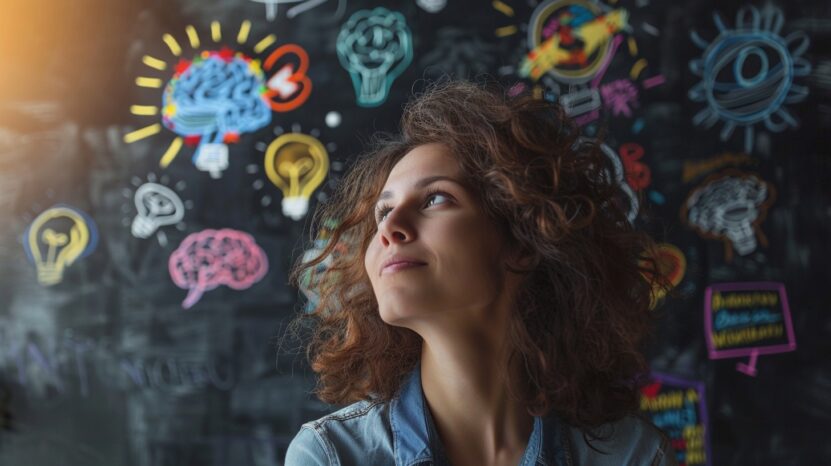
439 223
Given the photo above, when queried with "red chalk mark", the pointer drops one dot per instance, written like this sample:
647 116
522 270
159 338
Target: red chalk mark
192 140
230 138
182 66
638 174
651 390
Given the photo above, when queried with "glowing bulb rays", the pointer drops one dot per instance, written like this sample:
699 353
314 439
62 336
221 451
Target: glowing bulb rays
761 66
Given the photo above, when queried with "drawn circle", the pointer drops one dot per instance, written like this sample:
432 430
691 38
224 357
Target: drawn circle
747 99
739 67
296 150
550 14
298 76
333 119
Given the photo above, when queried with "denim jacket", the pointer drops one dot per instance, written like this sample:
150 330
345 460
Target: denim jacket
401 432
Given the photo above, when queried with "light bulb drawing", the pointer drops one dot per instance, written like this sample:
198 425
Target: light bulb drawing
214 97
619 177
730 206
375 46
153 203
432 6
297 164
157 205
671 264
56 239
747 74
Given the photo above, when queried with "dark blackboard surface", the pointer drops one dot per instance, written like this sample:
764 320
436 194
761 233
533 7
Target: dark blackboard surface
103 365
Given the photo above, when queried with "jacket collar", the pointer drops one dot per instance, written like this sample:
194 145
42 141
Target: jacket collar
415 441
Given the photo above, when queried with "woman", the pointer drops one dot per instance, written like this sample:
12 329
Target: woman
487 300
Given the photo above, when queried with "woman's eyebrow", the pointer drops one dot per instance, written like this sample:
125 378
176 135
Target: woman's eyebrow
422 183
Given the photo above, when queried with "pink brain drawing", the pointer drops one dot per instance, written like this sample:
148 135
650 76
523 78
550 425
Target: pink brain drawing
210 258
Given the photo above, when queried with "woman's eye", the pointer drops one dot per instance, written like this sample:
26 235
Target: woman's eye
433 196
383 210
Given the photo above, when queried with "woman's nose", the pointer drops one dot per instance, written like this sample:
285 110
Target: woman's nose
395 228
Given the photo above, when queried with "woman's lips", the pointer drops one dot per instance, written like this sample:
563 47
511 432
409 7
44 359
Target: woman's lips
400 266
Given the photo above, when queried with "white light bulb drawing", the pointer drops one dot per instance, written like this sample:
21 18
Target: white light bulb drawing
297 164
375 46
730 206
619 177
432 6
157 205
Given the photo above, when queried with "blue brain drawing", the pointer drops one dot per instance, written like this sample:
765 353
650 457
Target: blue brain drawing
214 96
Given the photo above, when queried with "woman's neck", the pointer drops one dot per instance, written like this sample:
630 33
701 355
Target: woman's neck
465 384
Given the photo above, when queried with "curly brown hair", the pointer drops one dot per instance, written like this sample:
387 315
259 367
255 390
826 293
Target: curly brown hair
583 314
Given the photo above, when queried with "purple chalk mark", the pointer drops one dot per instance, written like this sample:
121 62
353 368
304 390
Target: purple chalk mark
750 367
607 60
550 28
751 351
586 118
654 81
516 89
194 294
702 402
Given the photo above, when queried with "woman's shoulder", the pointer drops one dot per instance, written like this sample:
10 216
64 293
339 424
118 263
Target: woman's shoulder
356 410
343 436
631 440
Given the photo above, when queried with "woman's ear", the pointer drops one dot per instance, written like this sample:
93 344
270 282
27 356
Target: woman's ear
521 260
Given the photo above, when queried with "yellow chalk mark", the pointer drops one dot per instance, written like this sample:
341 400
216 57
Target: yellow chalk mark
174 46
264 43
142 133
637 68
144 81
193 37
171 152
503 8
216 32
633 46
154 62
144 109
505 31
244 29
598 32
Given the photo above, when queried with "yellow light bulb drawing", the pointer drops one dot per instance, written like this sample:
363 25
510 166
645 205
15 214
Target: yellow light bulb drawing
297 164
56 239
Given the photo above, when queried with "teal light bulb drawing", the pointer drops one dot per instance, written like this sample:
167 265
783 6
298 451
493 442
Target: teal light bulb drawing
375 46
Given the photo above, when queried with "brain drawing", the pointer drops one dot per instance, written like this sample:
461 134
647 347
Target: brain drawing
210 258
218 93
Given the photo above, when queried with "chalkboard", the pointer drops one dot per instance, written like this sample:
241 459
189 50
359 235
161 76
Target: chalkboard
160 162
